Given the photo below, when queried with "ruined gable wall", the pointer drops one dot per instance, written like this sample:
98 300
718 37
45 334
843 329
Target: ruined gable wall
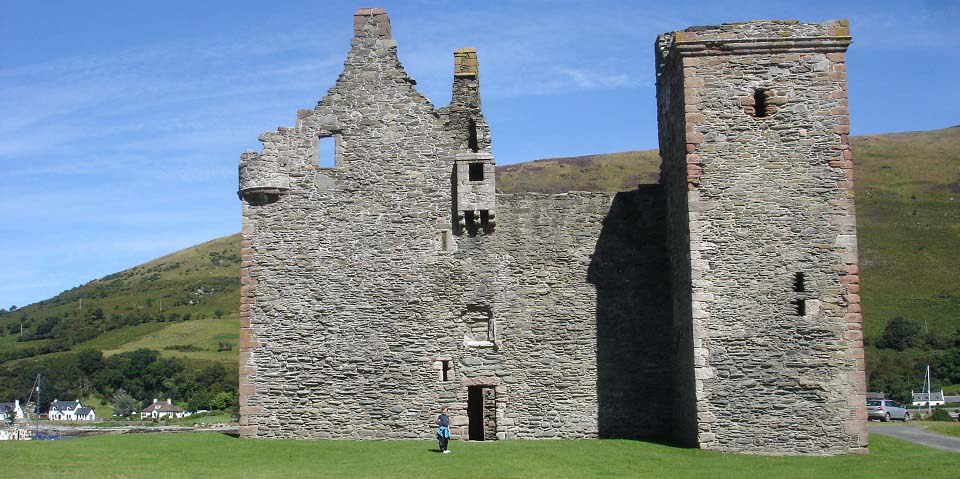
777 370
337 269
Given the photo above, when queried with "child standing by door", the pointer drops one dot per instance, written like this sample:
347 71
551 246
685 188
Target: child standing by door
443 430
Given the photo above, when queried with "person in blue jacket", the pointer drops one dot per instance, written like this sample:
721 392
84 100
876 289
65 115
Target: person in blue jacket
443 430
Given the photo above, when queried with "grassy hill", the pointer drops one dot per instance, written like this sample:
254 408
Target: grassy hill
908 186
908 202
610 172
198 285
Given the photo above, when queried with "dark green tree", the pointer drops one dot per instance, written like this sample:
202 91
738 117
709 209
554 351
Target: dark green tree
123 403
899 334
90 361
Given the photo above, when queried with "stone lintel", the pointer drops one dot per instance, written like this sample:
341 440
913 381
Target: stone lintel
483 156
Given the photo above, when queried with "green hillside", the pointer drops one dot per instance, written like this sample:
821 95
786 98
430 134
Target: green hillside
168 327
185 305
610 172
193 284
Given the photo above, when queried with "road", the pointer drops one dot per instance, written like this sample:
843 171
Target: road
918 435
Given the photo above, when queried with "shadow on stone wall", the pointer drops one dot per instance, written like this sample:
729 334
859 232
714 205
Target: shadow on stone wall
635 356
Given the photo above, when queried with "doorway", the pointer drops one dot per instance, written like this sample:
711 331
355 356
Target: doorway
482 413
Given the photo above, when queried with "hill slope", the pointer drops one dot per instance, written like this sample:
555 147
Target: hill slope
610 172
198 283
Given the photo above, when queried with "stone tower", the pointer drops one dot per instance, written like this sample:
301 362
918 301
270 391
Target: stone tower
757 169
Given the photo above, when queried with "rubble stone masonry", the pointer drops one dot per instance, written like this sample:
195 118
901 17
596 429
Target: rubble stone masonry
399 281
753 128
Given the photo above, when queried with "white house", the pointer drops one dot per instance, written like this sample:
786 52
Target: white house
11 408
935 398
70 411
161 409
85 414
14 434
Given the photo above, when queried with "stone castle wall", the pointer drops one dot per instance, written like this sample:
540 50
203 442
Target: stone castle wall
398 281
763 174
356 289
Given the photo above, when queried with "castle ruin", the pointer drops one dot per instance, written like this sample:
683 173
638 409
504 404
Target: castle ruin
718 309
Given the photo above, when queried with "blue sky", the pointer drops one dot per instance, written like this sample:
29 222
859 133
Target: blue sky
121 123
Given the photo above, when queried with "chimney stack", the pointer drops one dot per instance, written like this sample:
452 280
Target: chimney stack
371 23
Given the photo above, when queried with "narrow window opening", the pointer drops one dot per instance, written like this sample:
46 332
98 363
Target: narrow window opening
760 103
327 152
447 368
484 218
798 284
472 137
801 307
476 171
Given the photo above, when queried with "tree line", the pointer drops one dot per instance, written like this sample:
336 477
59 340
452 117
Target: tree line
897 359
140 375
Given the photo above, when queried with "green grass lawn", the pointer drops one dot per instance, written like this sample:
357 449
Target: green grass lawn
198 455
939 427
948 428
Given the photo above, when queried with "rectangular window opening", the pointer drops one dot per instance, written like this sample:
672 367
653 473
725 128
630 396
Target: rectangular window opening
327 152
447 369
476 171
801 307
760 102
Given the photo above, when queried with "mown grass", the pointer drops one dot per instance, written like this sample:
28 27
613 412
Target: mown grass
200 455
205 334
940 427
948 428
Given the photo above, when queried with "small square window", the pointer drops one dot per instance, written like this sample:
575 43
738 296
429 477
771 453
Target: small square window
476 171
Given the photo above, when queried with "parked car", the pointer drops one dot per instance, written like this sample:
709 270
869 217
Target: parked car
885 410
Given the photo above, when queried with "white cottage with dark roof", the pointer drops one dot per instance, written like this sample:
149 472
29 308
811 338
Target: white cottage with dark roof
70 411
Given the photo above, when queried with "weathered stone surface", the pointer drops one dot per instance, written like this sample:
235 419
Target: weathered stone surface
768 301
399 281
